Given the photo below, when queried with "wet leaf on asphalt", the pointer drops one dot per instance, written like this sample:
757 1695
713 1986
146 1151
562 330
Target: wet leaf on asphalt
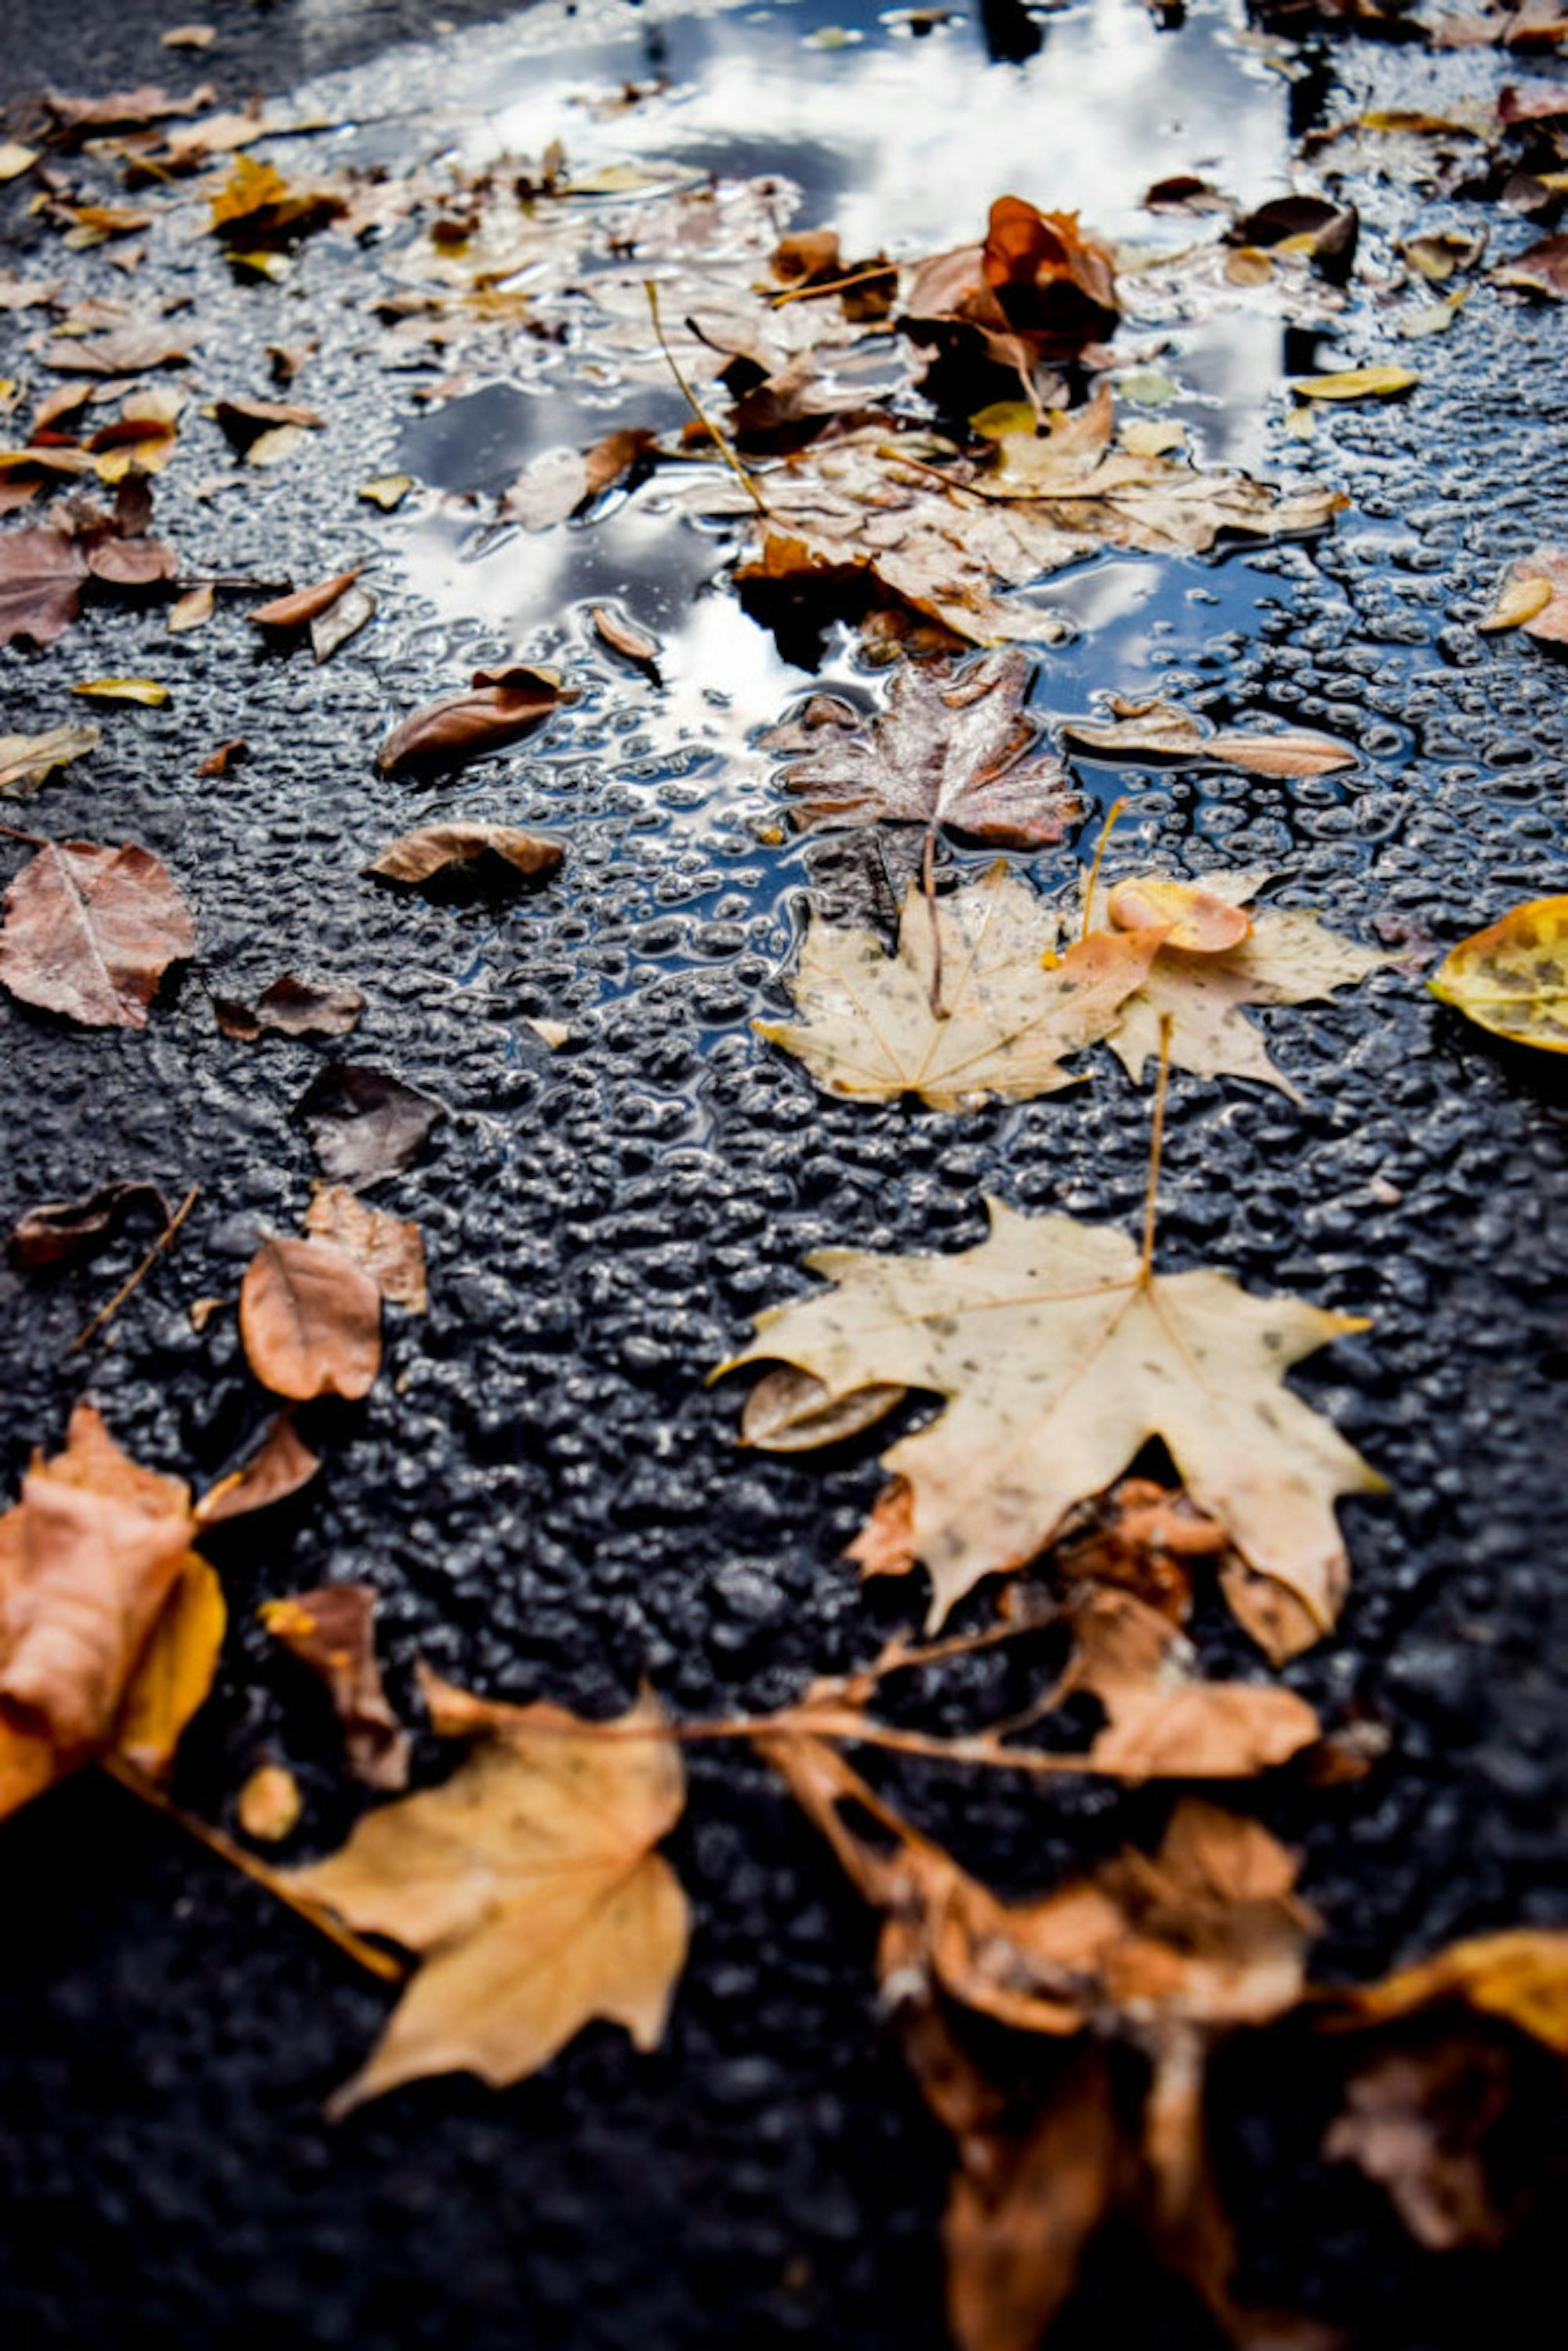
310 1321
88 933
1512 977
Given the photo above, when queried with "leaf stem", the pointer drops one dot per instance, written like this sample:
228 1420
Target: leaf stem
1117 809
1156 1148
835 285
928 884
379 1963
694 404
124 1292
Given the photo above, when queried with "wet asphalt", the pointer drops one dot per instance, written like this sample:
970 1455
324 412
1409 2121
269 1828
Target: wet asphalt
545 1495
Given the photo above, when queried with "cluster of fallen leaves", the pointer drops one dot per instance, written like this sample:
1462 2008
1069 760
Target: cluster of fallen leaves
526 1889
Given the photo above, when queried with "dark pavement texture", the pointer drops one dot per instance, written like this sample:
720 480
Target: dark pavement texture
547 1497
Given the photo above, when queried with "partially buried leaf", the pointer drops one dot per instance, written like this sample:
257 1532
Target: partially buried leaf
473 724
527 1883
1534 596
1163 733
298 609
332 1631
27 761
966 1008
91 1558
1059 1359
144 690
391 1249
1288 956
90 932
951 749
509 852
41 575
1512 977
293 1007
310 1320
281 1465
58 1232
365 1123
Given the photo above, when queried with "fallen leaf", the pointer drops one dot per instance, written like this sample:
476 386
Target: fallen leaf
124 350
1520 1976
632 643
218 762
1512 977
1534 596
789 1412
1058 1359
1355 383
1163 732
144 690
502 852
124 110
191 611
391 1249
332 1631
41 575
557 483
15 159
27 761
291 1006
471 725
965 1009
345 619
92 1558
187 36
529 1885
388 491
1161 1720
281 1465
1187 916
257 207
59 1232
1287 958
88 933
310 1321
1326 232
1540 269
365 1123
269 1804
952 750
305 604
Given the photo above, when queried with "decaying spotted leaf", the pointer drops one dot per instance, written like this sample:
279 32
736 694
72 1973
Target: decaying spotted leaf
88 933
966 1008
332 1631
503 849
109 1626
952 750
1287 957
310 1319
1058 1358
529 1885
1512 977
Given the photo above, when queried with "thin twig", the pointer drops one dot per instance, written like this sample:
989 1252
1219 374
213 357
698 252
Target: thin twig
928 884
1112 813
188 581
1156 1146
124 1292
32 839
694 404
834 285
379 1963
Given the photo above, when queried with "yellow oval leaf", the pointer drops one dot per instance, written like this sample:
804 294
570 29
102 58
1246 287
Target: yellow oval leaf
1193 918
145 690
1355 383
1519 600
174 1671
1512 978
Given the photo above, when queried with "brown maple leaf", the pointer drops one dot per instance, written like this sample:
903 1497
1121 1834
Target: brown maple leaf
952 750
